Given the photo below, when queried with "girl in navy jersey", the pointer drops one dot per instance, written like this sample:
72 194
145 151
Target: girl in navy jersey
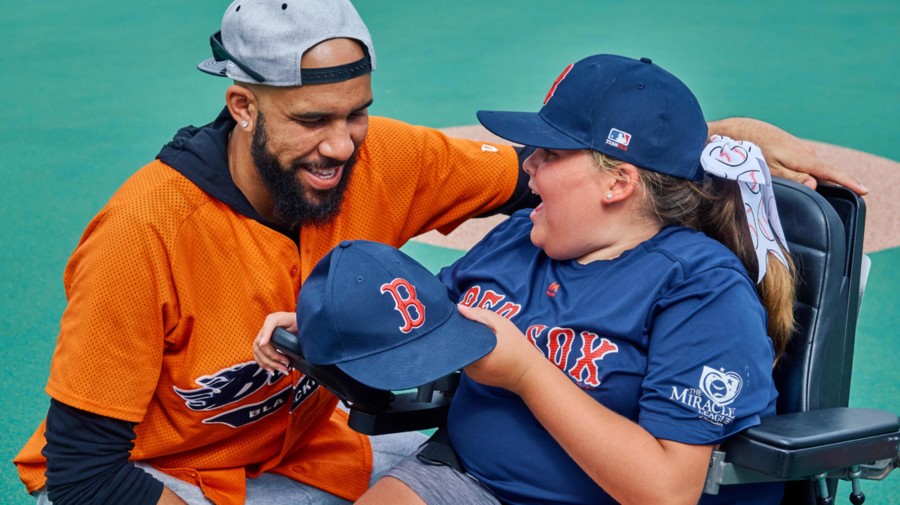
638 310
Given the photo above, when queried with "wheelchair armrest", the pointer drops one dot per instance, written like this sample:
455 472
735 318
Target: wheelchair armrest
844 443
425 408
800 445
404 413
341 385
375 411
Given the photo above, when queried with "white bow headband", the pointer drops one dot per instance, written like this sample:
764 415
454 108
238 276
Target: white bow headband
743 162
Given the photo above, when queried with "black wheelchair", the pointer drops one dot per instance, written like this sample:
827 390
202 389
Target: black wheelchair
814 441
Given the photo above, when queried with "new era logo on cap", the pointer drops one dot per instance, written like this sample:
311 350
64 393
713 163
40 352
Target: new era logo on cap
384 319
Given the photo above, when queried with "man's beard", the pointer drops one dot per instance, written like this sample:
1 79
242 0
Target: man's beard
291 206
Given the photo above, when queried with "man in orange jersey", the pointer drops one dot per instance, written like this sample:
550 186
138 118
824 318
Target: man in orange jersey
155 396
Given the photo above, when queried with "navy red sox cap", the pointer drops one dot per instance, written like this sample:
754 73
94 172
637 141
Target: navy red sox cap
631 110
384 319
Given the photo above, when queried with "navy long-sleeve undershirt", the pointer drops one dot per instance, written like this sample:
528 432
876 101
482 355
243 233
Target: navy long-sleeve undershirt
87 460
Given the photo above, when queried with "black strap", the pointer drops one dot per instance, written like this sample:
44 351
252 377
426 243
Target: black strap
337 74
438 451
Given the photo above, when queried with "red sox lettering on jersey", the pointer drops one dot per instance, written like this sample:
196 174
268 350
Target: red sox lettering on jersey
409 306
556 343
490 300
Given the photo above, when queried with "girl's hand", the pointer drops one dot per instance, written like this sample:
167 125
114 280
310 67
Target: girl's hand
264 352
507 365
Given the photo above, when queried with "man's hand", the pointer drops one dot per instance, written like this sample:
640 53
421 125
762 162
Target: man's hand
787 156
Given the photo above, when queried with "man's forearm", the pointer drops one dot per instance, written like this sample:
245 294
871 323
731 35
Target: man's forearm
787 155
88 460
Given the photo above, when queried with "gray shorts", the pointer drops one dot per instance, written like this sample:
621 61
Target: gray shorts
269 488
438 484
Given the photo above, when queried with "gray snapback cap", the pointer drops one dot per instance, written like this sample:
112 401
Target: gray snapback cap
264 40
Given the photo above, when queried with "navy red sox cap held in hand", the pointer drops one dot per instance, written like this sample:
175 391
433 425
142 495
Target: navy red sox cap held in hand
264 40
631 110
384 319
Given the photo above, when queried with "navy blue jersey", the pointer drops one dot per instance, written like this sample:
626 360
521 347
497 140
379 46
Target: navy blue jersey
670 334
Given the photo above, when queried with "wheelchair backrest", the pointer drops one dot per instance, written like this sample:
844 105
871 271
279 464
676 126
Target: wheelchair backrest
824 230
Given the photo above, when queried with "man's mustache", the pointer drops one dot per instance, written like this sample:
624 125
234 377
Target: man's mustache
321 164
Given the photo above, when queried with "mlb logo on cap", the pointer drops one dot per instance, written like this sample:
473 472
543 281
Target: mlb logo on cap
618 138
384 319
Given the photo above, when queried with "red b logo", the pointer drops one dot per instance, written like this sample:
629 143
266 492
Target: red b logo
409 307
556 83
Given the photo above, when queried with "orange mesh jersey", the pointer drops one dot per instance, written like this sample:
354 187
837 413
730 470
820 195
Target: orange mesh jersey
168 287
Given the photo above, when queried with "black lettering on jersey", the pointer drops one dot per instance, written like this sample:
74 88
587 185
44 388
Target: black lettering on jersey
227 386
305 388
247 414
